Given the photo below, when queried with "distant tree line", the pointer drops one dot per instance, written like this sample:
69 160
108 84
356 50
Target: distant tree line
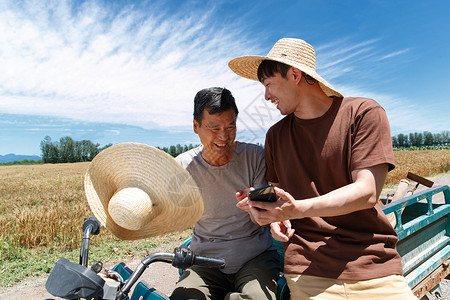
425 139
68 151
177 149
22 162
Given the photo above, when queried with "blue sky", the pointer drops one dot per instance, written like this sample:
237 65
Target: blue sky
127 71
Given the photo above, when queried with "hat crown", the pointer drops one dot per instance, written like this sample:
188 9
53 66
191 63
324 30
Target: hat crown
294 52
131 208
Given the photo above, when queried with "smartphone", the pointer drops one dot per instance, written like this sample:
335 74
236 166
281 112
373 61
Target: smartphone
265 193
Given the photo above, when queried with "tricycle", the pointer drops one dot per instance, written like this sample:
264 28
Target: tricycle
73 281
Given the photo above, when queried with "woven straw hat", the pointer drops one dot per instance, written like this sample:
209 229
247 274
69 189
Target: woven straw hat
138 191
293 52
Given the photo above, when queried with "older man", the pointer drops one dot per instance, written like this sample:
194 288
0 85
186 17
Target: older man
221 166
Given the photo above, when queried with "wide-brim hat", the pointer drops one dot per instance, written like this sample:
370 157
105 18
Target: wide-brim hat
137 191
293 52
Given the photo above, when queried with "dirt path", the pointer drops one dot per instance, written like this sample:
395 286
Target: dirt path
160 275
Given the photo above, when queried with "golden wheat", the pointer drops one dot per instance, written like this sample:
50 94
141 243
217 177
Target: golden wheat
421 162
44 205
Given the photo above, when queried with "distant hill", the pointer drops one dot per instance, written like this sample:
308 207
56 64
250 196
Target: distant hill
13 157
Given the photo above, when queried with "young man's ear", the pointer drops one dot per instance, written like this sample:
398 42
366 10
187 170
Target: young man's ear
296 74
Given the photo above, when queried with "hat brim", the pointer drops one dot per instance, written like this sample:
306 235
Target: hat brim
175 198
247 67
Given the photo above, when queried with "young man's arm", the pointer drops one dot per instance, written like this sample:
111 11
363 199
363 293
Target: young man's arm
363 193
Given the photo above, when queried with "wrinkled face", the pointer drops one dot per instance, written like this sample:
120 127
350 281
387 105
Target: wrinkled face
281 92
217 133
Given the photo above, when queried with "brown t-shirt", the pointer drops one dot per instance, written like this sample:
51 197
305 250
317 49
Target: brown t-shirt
317 156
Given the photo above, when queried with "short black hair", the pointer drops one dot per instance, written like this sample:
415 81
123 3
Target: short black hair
268 68
215 100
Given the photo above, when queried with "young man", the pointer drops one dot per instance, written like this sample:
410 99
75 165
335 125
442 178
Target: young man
221 166
329 157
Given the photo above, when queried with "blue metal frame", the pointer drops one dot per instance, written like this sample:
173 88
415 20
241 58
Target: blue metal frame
142 289
397 206
423 230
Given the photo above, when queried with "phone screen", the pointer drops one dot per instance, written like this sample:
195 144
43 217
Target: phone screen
265 193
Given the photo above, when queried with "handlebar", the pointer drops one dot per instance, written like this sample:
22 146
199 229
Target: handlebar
90 226
185 257
209 262
182 258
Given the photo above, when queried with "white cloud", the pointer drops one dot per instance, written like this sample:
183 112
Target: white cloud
115 132
91 64
393 54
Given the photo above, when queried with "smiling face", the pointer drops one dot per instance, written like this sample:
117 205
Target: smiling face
282 91
217 133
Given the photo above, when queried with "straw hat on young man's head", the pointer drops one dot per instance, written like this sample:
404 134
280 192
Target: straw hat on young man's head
138 191
293 52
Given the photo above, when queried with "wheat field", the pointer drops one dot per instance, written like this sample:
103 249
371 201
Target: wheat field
44 205
421 162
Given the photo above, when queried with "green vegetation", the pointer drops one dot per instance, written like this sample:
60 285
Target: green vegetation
23 162
18 263
68 151
413 148
177 149
422 141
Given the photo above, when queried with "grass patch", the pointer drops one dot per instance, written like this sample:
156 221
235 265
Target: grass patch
19 263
